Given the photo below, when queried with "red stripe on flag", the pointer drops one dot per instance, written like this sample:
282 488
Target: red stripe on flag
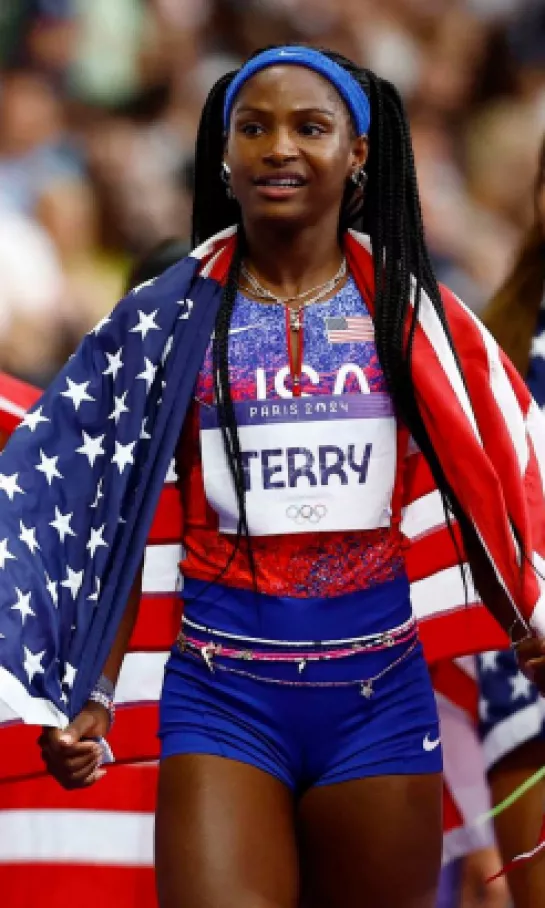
167 521
469 629
86 886
158 622
123 788
18 393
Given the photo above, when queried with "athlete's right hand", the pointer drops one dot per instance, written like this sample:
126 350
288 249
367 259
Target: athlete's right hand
69 755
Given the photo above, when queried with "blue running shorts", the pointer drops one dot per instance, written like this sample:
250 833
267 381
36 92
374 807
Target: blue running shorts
305 727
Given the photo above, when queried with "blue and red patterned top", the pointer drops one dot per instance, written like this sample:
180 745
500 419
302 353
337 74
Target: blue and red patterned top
340 368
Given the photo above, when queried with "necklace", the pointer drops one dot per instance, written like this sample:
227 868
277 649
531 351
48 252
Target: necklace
315 294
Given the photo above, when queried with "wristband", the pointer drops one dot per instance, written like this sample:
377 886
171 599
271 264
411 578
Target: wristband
103 694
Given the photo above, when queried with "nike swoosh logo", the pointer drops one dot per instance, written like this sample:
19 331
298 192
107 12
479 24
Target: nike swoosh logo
428 744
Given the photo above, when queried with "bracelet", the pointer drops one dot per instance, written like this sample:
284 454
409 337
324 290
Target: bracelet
103 694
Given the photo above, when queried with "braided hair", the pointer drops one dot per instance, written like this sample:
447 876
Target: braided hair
389 212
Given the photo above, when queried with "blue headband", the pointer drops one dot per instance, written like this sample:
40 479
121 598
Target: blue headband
354 97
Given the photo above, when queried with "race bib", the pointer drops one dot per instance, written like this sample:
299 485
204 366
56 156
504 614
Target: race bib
317 463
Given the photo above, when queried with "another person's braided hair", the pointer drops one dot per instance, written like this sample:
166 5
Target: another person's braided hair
389 213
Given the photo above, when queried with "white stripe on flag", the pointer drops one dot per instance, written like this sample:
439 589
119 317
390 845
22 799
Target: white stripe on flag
161 571
76 836
443 592
141 678
423 515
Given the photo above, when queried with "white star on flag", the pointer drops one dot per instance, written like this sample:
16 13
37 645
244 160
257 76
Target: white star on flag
8 484
99 495
23 604
94 596
5 554
28 536
48 467
488 661
51 586
148 374
91 447
115 363
145 324
538 346
520 686
123 455
77 393
62 524
144 436
187 308
69 675
33 419
33 663
96 540
483 710
101 324
73 582
119 408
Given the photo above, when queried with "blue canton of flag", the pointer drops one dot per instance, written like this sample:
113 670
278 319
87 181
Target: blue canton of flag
511 711
79 482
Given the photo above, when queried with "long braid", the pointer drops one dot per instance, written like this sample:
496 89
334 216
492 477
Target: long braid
212 209
226 409
212 212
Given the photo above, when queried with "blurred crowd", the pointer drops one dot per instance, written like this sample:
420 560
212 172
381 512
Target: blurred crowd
99 103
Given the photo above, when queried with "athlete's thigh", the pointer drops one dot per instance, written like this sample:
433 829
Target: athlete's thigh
372 843
224 836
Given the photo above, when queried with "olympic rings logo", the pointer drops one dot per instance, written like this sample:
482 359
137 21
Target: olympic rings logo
306 513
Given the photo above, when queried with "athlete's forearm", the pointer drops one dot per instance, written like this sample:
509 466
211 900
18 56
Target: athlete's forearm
112 666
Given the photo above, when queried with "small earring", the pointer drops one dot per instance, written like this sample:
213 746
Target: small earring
359 178
225 175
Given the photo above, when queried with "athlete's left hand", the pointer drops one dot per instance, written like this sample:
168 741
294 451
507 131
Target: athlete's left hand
531 659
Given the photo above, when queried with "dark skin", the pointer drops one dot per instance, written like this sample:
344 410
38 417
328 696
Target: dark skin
227 833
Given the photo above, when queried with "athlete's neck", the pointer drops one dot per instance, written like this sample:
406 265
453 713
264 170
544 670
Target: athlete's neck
290 262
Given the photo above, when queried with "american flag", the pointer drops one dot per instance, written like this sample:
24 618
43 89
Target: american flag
349 330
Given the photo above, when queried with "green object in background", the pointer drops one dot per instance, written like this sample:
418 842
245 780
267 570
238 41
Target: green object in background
514 796
106 69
